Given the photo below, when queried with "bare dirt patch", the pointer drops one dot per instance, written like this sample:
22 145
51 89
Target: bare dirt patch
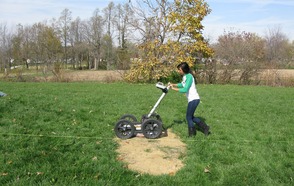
153 156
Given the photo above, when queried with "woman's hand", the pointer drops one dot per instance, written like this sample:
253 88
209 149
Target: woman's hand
173 86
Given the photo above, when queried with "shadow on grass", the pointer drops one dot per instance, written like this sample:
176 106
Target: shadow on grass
183 121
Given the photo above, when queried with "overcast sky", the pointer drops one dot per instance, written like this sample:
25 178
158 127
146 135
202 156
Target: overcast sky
231 15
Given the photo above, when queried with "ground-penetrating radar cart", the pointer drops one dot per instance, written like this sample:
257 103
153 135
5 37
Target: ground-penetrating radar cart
150 124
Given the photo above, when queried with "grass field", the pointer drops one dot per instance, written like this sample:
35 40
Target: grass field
62 134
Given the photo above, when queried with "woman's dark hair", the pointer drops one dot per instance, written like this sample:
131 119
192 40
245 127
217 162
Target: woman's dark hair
185 67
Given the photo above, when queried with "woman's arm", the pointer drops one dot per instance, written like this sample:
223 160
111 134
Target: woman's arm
174 86
183 89
188 84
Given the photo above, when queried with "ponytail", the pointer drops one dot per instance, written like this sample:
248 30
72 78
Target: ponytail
186 69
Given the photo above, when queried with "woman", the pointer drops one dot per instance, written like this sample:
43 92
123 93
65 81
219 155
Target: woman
188 86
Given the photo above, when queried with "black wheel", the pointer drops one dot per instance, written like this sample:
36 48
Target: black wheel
153 116
129 117
151 128
156 116
124 129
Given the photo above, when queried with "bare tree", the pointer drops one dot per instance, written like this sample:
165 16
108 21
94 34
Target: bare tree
17 45
239 51
76 40
38 56
5 43
27 45
124 18
152 21
93 33
109 15
64 23
278 47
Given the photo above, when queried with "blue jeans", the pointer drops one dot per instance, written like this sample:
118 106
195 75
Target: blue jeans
192 105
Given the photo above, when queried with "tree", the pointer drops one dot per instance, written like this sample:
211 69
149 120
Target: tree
37 44
93 32
278 48
76 41
64 23
109 20
243 51
27 50
17 46
45 45
124 15
5 44
51 44
172 33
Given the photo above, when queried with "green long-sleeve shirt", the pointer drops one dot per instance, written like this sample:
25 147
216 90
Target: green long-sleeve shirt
188 86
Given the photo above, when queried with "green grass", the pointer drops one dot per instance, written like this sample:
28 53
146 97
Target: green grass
62 134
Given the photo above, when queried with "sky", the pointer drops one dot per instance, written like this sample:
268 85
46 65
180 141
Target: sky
257 16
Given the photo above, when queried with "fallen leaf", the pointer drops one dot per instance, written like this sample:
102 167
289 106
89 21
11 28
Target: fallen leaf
206 170
94 158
